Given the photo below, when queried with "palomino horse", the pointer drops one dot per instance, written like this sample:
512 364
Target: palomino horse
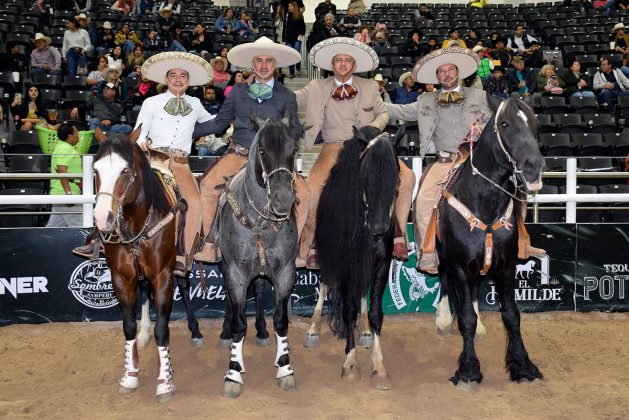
137 226
258 238
478 233
354 237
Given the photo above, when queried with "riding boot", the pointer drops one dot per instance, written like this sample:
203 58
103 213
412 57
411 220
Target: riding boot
180 266
92 248
525 249
400 250
210 253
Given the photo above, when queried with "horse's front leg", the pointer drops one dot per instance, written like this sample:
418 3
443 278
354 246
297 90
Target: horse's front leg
193 325
262 335
125 289
469 365
517 359
283 285
350 369
145 319
225 339
314 332
163 290
376 316
443 314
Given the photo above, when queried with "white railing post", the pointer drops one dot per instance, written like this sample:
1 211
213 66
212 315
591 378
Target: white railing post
88 189
417 169
571 188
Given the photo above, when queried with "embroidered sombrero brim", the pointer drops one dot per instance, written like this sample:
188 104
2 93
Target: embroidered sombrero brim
425 70
156 67
322 53
241 55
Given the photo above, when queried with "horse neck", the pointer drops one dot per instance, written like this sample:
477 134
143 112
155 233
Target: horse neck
136 211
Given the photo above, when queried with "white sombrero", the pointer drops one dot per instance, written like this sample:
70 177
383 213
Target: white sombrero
40 36
322 53
465 60
403 77
241 55
156 67
618 26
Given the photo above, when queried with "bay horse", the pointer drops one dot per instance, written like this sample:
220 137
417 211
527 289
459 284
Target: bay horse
354 236
257 235
137 225
478 234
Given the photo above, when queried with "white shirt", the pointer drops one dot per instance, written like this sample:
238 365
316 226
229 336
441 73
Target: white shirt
349 82
167 130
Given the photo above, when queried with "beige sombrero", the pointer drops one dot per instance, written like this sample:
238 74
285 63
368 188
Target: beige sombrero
222 60
618 26
83 16
322 53
378 78
165 9
403 77
156 67
464 59
39 36
241 55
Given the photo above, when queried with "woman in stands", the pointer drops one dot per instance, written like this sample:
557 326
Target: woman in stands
28 113
96 76
237 77
294 31
220 76
135 59
225 24
201 42
548 83
412 46
576 82
76 45
126 7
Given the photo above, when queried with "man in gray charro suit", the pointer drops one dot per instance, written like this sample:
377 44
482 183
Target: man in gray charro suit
444 117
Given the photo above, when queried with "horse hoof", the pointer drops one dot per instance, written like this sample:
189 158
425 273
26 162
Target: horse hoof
224 343
350 374
263 342
366 340
287 383
123 390
381 383
535 381
311 340
231 389
165 397
467 386
197 342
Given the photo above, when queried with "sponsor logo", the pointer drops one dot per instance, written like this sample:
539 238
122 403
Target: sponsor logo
23 285
608 286
214 291
407 281
91 285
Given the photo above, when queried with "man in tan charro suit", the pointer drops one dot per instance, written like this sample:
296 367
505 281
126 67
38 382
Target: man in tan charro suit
333 106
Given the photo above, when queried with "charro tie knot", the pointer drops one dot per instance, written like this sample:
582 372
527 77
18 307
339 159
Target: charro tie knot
178 106
450 97
344 91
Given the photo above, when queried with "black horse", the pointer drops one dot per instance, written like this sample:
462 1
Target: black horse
478 225
355 238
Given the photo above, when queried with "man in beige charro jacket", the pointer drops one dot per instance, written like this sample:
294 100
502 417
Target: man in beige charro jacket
333 106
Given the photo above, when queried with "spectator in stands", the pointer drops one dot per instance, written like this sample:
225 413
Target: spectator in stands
165 22
126 7
380 36
135 59
430 46
351 22
519 41
118 57
107 113
358 6
76 44
223 54
381 88
472 38
610 83
523 83
408 92
324 8
412 46
613 5
212 98
329 30
84 23
225 24
127 39
146 9
548 83
499 52
211 145
145 89
486 64
453 39
221 77
28 113
621 45
363 35
13 59
497 85
245 26
533 56
104 39
201 42
112 75
294 31
173 5
44 58
236 77
152 43
576 82
96 76
83 6
44 8
66 159
423 16
178 41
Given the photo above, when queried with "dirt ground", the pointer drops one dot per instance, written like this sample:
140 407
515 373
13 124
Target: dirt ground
71 371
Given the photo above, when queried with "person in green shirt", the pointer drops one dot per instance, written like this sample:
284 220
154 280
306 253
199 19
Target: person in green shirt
66 159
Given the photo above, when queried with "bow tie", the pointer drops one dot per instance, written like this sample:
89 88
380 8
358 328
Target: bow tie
178 106
260 91
344 91
449 97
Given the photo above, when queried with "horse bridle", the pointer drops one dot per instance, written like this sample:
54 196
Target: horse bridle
514 172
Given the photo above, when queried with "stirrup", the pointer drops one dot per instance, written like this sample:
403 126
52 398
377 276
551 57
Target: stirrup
90 251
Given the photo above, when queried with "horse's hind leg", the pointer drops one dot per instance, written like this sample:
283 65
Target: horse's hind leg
193 325
366 337
350 369
145 319
283 285
376 317
225 339
236 283
262 335
163 289
517 359
314 332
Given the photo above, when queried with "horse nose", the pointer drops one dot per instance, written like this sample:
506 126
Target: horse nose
104 221
282 201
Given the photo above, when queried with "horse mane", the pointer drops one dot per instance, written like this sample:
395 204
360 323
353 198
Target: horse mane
276 135
152 187
379 172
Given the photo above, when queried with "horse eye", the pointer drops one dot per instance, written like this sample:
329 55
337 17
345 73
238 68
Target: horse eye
126 170
504 124
261 151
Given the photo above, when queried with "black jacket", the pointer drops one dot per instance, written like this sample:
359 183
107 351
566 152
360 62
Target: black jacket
527 75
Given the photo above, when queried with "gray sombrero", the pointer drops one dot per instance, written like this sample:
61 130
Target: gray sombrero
425 70
241 55
322 53
156 67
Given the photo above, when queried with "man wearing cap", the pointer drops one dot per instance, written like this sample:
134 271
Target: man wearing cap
444 117
406 93
267 99
167 121
333 106
106 112
44 58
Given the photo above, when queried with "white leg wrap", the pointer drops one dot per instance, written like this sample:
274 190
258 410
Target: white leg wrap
165 382
236 356
130 375
282 347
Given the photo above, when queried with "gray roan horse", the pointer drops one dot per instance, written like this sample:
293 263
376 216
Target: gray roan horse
479 235
258 237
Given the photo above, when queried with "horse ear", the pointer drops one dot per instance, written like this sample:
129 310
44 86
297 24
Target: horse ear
135 134
358 134
399 134
99 135
286 119
494 102
256 122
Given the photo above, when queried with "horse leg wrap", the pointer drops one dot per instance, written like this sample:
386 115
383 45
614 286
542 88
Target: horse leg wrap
236 356
165 382
130 376
282 348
